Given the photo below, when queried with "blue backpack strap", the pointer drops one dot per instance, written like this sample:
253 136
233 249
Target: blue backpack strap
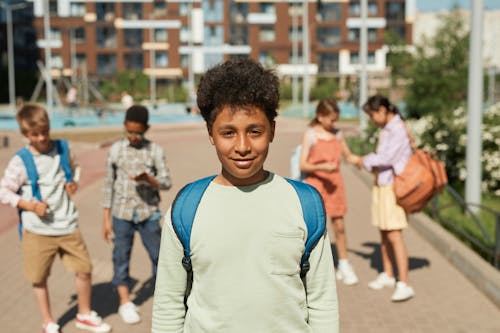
31 172
63 151
314 215
183 211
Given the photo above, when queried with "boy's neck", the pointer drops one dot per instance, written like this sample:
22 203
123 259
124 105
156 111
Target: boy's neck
227 180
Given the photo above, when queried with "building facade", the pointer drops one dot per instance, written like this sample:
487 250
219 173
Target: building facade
178 39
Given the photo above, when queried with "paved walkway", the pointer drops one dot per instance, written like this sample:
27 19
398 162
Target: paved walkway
445 301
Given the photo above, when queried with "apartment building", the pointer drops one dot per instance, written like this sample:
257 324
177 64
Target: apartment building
177 39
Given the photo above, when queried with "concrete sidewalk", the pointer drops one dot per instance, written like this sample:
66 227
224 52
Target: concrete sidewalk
445 302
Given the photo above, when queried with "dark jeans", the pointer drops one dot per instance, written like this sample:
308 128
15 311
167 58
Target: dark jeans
124 231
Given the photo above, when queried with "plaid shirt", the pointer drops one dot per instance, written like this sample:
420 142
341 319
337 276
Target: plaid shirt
126 196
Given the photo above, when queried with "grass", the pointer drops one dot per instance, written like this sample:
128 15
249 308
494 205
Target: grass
453 216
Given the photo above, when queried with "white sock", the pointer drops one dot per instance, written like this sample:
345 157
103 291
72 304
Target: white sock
343 262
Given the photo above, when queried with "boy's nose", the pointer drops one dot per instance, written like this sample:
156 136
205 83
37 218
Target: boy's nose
243 145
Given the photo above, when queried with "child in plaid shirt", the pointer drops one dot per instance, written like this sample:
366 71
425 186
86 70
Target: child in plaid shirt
136 170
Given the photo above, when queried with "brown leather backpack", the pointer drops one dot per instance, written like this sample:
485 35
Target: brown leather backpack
423 176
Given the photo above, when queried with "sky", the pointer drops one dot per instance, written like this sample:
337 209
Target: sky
433 5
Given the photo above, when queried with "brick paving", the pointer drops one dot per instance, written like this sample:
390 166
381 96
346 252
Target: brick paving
446 301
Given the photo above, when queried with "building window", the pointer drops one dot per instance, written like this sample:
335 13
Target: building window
295 8
52 7
132 11
267 34
239 35
56 61
355 58
328 36
266 59
238 12
355 9
55 34
160 35
213 35
213 59
77 9
106 37
134 61
132 38
185 60
81 59
213 11
183 9
299 34
105 11
299 59
330 12
395 11
328 62
184 35
161 59
106 64
353 35
79 35
160 9
267 8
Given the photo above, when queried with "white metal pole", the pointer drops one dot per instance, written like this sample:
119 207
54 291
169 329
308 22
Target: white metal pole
363 55
475 106
305 55
191 57
72 54
10 58
152 78
48 55
295 51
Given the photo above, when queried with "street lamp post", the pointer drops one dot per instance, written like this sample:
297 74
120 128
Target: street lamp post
10 49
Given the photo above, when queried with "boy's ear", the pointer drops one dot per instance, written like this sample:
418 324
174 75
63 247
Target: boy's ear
273 127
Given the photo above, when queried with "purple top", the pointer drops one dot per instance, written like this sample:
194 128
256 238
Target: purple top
393 151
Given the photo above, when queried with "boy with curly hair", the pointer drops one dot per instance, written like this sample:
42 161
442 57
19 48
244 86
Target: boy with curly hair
248 232
49 218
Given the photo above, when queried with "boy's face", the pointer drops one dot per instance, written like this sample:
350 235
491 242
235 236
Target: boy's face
135 132
39 139
241 138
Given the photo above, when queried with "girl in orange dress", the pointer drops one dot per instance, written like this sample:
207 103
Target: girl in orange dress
322 148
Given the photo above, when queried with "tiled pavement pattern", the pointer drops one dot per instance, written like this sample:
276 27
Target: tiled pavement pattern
445 300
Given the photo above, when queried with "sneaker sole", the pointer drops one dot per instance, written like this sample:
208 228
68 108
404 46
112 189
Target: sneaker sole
90 328
403 299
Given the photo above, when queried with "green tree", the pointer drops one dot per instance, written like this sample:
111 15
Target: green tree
439 72
399 59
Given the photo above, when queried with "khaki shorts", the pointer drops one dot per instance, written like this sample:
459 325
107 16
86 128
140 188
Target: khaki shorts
40 251
386 214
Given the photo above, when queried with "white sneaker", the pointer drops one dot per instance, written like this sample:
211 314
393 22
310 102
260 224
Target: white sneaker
402 292
382 280
346 274
91 322
129 313
51 328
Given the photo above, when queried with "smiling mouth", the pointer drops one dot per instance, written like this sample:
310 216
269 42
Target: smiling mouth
243 163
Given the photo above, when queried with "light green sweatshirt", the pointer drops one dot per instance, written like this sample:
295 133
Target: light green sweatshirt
246 246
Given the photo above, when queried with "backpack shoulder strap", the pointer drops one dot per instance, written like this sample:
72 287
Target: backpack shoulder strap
183 211
63 151
31 171
314 215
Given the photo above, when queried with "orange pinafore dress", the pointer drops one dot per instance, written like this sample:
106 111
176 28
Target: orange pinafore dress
329 185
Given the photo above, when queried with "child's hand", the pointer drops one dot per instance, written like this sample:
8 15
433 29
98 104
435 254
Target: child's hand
71 188
40 208
142 177
107 231
329 166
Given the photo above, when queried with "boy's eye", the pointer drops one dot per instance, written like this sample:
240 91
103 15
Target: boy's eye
227 133
255 132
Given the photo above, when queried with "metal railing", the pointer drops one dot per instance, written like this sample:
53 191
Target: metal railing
487 246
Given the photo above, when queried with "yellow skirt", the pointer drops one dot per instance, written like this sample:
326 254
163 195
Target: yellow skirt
386 214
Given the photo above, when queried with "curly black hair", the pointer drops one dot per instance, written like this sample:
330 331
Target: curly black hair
238 83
